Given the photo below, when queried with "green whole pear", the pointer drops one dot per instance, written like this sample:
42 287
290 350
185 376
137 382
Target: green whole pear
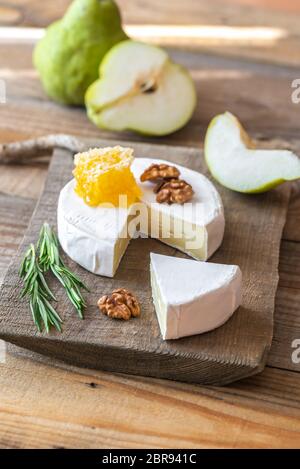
68 56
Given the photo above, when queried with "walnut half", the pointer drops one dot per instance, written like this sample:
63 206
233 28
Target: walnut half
160 171
121 304
175 191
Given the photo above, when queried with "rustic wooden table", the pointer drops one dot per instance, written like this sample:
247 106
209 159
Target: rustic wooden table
240 68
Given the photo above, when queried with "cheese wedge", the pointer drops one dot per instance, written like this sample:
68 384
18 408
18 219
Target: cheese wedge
192 297
97 237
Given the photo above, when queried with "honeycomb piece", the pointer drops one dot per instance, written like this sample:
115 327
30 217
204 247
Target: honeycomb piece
103 175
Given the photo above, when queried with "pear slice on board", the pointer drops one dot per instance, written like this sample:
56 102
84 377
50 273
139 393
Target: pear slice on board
235 163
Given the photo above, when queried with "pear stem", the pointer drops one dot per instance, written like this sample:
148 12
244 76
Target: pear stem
18 152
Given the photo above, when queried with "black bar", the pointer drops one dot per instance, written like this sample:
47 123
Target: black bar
146 458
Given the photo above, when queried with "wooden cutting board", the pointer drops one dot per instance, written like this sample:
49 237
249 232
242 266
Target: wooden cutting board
238 349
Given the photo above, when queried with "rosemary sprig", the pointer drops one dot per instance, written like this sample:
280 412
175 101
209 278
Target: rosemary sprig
36 288
49 258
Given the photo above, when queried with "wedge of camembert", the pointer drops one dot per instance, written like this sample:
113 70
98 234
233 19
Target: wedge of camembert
191 297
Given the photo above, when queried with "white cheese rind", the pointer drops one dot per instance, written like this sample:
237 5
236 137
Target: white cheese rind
192 297
94 236
91 235
210 217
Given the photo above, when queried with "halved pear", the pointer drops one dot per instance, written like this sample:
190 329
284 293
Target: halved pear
140 89
235 163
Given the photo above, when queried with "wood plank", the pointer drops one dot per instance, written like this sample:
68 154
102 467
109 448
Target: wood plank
290 5
31 13
242 343
291 229
15 213
272 387
283 353
287 318
290 265
23 180
52 407
268 383
278 42
261 98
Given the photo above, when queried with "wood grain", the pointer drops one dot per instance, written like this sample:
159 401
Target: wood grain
15 213
236 350
286 329
53 407
290 265
129 412
279 44
260 95
291 229
273 391
27 180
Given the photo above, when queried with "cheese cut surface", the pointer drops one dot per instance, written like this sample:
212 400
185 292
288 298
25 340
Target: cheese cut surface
197 227
191 297
97 237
